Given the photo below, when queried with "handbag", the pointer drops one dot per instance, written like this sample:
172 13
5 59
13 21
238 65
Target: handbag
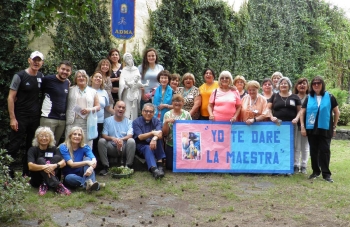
92 125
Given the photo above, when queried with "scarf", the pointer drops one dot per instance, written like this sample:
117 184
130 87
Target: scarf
162 99
324 112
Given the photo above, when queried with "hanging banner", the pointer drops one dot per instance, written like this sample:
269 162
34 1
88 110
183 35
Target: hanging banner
208 146
123 19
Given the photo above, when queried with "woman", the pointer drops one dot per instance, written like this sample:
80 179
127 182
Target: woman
96 82
175 82
149 70
177 113
224 103
240 83
284 106
205 91
81 162
276 76
163 95
105 68
190 93
253 105
45 162
301 144
267 88
114 59
81 101
319 125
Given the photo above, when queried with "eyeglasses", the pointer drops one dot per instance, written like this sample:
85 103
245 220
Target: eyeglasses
76 134
224 78
316 83
149 111
80 77
284 84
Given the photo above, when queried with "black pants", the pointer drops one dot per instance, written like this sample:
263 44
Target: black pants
39 177
95 141
320 154
26 131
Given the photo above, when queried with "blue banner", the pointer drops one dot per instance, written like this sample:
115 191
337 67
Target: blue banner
207 146
123 19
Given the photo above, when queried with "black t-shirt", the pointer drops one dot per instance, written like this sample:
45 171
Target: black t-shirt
319 131
28 98
34 153
116 74
285 108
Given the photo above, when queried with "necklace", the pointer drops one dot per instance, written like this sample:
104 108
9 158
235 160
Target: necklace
250 102
284 100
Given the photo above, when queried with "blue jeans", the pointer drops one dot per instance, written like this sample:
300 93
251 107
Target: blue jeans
78 180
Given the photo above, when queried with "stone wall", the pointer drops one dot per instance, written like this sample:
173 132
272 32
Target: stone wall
342 134
44 42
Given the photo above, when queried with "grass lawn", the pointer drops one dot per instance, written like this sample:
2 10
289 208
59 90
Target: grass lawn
186 199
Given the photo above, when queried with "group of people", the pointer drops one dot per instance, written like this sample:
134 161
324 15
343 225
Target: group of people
58 106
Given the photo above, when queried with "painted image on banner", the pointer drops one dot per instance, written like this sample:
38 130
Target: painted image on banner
191 146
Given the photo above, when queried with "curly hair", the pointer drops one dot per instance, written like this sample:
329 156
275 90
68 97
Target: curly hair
42 130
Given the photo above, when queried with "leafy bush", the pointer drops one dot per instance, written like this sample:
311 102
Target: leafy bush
12 191
340 95
344 118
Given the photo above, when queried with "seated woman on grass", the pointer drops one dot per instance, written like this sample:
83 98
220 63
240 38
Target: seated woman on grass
44 162
80 160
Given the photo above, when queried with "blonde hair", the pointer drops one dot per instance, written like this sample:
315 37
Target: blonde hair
252 83
68 141
276 74
102 86
188 75
83 73
239 77
41 130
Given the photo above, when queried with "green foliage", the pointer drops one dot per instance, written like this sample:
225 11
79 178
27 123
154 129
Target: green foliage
344 118
84 44
13 56
39 15
12 191
340 95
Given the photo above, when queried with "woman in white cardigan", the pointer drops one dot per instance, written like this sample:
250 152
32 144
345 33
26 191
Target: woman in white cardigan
81 101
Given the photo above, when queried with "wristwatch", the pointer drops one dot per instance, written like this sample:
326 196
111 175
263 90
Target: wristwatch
58 166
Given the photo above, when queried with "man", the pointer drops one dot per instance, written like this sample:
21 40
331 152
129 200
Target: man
148 137
24 107
116 138
55 89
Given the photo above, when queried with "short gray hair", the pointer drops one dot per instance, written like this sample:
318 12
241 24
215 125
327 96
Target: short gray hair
149 105
288 81
225 73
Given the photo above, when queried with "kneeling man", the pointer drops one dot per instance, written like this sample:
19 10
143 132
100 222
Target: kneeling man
116 138
148 137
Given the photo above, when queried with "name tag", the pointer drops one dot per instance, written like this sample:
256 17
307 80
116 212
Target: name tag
292 102
48 154
190 96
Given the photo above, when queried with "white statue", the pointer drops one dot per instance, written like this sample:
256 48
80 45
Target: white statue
129 87
134 92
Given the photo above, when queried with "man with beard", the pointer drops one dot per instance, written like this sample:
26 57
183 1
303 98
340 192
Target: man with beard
117 138
55 89
24 108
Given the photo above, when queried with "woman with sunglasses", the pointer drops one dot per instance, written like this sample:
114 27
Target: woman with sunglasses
224 103
318 121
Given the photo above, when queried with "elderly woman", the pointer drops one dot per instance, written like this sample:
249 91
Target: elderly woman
253 105
205 91
276 76
177 113
175 82
240 82
45 162
191 96
81 101
301 152
162 95
224 103
81 162
284 105
267 88
96 82
319 118
114 59
105 68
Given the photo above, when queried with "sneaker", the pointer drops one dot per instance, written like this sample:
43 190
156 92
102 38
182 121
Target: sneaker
296 169
157 174
102 185
104 172
43 189
90 186
63 190
313 176
328 179
303 170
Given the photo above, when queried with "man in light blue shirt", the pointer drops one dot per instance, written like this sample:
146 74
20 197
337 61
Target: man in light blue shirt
117 138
